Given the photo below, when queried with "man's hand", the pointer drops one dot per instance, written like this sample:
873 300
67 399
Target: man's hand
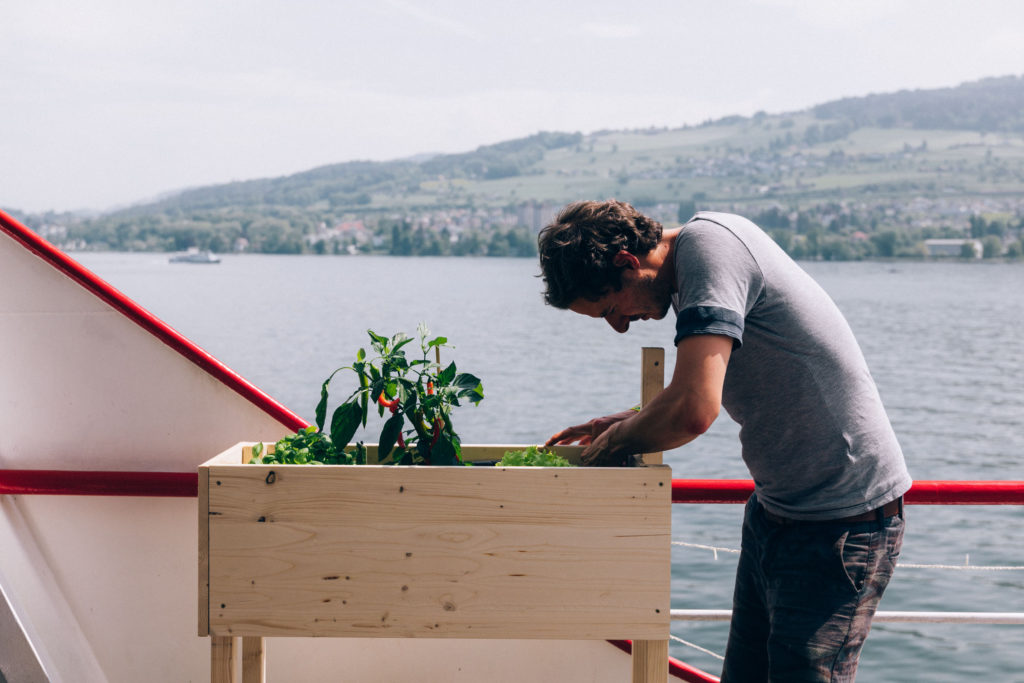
605 450
585 433
595 435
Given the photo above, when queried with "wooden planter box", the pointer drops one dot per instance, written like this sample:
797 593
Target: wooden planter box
433 552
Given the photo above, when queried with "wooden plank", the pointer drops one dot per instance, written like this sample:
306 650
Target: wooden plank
222 660
470 453
229 456
440 552
652 381
254 660
650 661
330 494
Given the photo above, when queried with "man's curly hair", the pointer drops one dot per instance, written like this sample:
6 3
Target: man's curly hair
576 251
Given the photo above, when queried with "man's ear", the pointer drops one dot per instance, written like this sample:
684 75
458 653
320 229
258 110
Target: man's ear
624 259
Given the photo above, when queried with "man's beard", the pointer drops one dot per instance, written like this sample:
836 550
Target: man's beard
656 296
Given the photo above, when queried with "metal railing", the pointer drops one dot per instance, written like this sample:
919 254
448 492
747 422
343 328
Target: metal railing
704 491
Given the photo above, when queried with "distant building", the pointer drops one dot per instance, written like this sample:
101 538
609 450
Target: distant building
945 248
353 231
54 233
536 216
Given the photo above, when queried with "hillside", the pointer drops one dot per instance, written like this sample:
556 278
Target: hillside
919 163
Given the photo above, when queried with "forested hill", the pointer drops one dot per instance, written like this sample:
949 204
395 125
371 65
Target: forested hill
991 105
914 164
351 183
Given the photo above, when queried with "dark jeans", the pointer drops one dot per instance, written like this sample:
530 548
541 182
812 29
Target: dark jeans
805 596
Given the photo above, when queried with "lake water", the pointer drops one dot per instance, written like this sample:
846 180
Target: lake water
943 340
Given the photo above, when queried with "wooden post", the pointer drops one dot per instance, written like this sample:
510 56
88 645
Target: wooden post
652 381
650 661
650 657
254 660
204 551
222 660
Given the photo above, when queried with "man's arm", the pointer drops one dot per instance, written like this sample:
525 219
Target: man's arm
684 410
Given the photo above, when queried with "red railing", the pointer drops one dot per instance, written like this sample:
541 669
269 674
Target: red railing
94 483
185 485
921 493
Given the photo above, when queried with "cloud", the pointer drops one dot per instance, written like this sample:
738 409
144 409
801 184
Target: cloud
836 14
436 20
610 31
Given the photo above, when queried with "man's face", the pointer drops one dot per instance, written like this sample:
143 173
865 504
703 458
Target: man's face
640 298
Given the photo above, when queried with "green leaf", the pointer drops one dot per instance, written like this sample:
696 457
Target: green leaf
399 340
446 376
321 407
389 435
409 401
443 452
476 394
344 423
376 387
466 381
439 341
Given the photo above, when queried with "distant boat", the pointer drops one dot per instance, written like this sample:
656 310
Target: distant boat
195 256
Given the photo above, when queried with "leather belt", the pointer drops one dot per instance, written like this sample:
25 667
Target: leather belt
890 509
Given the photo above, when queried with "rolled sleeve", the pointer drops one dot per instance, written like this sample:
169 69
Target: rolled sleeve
709 320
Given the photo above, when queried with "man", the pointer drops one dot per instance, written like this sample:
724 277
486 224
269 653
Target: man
755 334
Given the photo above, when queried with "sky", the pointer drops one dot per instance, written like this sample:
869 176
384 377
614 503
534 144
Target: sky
111 102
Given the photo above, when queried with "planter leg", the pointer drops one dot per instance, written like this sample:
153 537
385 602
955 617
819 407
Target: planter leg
650 661
254 660
222 660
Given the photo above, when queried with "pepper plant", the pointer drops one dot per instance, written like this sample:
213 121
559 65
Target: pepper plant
419 394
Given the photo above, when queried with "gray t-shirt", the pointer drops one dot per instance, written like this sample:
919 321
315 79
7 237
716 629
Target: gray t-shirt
815 435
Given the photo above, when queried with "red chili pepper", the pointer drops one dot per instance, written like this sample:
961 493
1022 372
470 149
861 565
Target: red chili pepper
430 388
437 432
392 404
